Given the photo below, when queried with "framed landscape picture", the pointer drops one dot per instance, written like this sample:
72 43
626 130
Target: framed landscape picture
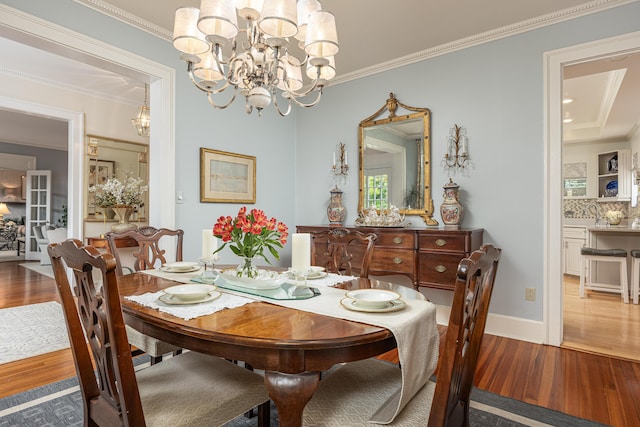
227 177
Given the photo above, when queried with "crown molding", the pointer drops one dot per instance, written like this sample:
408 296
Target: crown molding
477 39
486 37
126 17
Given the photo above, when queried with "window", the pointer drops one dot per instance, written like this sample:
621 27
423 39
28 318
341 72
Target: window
377 191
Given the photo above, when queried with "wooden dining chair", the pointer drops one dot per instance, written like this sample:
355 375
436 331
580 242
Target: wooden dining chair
351 394
188 389
147 255
336 248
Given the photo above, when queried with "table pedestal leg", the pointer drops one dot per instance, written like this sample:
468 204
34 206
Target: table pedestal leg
291 393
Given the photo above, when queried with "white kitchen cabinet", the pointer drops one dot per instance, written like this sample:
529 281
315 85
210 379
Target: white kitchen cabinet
614 175
573 238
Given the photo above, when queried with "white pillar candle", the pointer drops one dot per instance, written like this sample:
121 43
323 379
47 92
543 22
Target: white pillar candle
300 252
209 243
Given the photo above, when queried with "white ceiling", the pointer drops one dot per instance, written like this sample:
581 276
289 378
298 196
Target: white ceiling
373 37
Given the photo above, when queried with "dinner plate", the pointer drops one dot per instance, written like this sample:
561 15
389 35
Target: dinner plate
169 299
394 305
273 282
180 270
311 276
181 265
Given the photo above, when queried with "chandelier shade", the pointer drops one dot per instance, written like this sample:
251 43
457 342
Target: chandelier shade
258 60
187 37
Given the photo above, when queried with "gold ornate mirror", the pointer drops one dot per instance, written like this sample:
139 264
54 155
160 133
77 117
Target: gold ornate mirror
395 161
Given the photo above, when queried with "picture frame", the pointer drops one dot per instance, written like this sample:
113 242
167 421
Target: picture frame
99 172
227 177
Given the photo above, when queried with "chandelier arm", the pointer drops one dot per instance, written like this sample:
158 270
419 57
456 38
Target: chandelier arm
310 104
221 107
277 107
205 88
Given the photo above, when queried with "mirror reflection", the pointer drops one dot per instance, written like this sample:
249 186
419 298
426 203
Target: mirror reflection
395 162
113 158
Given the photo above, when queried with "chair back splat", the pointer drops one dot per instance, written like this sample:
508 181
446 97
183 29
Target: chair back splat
149 254
459 355
113 394
339 246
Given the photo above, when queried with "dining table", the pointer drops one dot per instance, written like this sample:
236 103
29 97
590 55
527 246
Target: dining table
291 342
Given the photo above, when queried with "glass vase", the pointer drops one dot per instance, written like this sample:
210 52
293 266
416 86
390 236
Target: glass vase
247 268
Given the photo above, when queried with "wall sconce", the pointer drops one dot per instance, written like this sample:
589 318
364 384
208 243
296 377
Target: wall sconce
341 168
457 155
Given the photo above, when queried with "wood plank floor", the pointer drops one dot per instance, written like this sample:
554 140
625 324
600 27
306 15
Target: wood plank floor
586 385
600 323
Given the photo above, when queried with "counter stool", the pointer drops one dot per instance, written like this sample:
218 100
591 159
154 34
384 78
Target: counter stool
604 255
635 274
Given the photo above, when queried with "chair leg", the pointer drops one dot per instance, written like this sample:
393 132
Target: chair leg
583 272
635 279
624 282
264 414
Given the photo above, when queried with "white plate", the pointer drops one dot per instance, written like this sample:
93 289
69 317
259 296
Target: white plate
394 305
272 282
181 265
190 291
373 298
169 299
311 276
180 270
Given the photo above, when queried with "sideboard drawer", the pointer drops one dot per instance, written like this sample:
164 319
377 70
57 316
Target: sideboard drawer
438 270
400 239
442 242
392 260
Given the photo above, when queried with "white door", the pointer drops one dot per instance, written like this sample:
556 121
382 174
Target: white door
38 208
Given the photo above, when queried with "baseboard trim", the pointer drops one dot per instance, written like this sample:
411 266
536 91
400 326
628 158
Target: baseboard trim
503 326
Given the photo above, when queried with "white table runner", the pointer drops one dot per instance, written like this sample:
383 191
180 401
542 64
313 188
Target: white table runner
414 329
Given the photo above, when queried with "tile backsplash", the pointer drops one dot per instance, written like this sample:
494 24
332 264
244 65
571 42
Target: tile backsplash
575 208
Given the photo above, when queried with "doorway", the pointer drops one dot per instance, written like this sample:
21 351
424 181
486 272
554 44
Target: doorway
162 153
554 64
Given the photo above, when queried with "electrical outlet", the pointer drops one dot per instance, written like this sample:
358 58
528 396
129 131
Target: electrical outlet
530 294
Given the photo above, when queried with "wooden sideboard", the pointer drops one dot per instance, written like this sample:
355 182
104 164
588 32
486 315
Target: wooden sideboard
428 256
102 243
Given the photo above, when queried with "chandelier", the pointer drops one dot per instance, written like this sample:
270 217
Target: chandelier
258 60
142 120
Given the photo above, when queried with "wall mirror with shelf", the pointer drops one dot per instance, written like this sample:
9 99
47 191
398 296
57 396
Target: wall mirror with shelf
113 158
395 161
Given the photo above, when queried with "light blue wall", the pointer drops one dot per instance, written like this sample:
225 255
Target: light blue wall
495 91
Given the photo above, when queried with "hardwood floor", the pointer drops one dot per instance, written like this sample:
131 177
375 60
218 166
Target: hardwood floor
600 323
586 385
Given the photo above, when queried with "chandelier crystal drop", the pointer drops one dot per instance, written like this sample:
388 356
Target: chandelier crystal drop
286 50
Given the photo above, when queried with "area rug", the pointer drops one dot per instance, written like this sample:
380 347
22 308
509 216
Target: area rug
45 270
31 330
59 404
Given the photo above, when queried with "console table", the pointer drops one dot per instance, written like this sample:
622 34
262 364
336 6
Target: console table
428 256
102 243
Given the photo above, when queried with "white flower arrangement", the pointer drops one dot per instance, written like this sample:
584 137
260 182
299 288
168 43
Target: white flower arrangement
119 194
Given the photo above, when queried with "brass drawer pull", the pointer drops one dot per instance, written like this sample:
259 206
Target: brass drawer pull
397 260
397 240
440 268
441 242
